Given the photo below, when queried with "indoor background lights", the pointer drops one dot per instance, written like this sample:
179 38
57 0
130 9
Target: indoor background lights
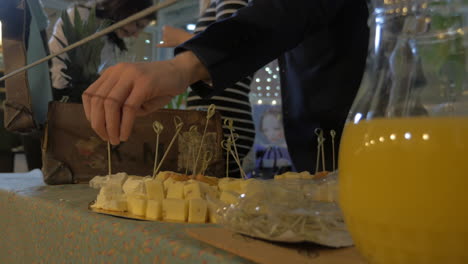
265 87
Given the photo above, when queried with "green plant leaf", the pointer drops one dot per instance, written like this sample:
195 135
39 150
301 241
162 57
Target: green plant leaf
83 62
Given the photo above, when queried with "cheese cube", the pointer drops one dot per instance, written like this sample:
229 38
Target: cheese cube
306 175
212 216
163 175
292 175
111 191
154 209
229 197
154 189
197 211
167 183
98 182
279 177
254 187
111 205
134 185
192 190
175 210
208 190
136 205
213 191
116 205
111 198
176 190
244 184
230 184
118 178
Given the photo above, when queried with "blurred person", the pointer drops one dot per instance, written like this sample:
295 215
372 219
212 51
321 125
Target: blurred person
106 11
233 101
323 49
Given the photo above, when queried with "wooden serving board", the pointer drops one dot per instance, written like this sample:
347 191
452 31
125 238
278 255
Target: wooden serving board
265 252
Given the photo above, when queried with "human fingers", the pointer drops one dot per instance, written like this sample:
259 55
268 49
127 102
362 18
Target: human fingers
98 94
115 97
97 117
112 116
152 105
90 91
130 108
113 110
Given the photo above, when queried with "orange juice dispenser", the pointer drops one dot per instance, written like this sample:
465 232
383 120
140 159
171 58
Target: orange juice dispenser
404 151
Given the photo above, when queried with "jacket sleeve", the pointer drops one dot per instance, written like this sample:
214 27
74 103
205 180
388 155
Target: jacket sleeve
235 47
218 10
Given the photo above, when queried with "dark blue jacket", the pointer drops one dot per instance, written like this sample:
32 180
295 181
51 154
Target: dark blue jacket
322 48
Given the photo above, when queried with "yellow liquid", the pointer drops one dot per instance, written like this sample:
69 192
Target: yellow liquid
404 189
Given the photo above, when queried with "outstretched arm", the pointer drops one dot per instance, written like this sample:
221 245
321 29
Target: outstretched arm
257 34
173 37
252 37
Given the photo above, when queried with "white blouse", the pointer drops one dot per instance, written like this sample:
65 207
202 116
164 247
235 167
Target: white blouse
109 53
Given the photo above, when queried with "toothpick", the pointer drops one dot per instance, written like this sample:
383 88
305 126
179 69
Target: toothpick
158 128
109 159
229 123
333 134
178 124
206 161
234 137
186 139
322 145
209 114
318 132
226 145
193 135
240 166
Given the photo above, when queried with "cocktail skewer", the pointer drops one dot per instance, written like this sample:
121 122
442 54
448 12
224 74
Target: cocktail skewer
210 113
229 123
109 159
226 145
178 125
333 134
206 161
158 128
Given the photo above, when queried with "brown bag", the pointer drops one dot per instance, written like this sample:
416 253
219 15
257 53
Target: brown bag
18 107
73 153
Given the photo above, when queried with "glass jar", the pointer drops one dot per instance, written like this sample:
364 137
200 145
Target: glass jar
404 151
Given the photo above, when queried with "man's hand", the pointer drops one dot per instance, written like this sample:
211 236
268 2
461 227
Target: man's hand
128 90
172 37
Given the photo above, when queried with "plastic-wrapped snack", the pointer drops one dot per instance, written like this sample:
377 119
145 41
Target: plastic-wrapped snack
293 210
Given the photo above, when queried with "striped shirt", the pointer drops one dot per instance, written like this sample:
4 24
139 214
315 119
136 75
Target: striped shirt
233 102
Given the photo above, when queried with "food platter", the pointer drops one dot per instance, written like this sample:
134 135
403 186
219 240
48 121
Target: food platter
126 215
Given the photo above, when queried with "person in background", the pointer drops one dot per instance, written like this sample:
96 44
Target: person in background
233 101
323 45
106 11
271 153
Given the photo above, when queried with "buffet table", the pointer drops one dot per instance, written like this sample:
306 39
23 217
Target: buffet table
51 224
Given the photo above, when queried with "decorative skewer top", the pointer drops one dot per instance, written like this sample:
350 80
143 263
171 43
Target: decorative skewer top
158 127
211 111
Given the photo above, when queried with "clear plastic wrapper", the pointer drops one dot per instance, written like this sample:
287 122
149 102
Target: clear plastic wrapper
289 210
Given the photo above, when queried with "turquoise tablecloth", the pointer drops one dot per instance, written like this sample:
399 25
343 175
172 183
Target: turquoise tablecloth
51 224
